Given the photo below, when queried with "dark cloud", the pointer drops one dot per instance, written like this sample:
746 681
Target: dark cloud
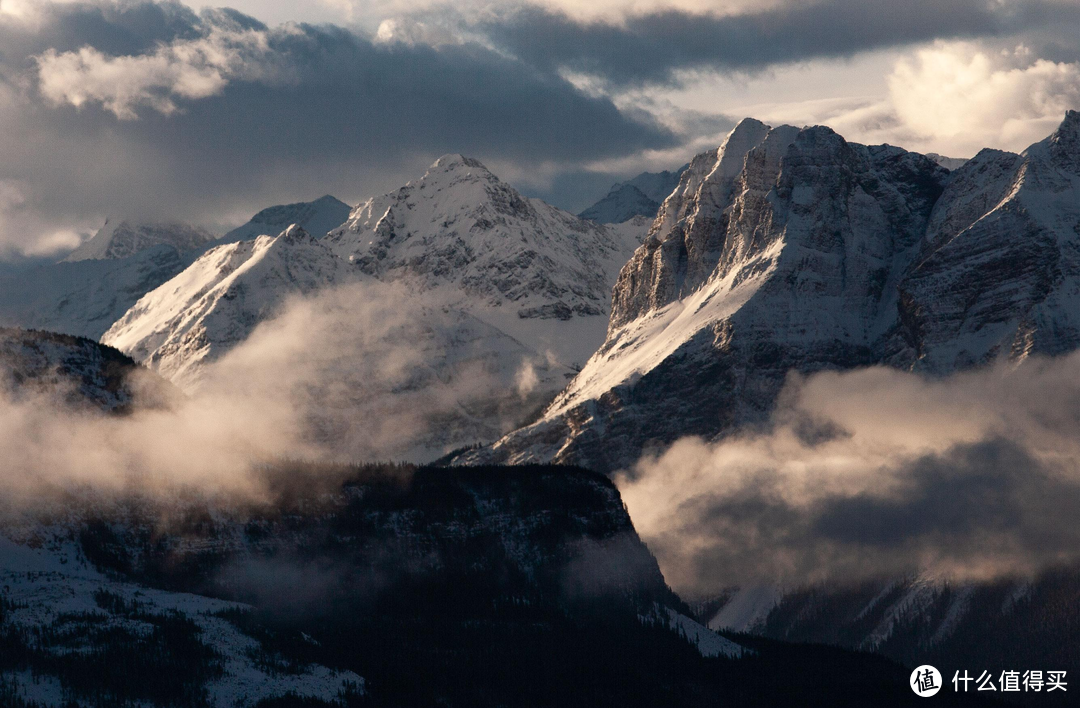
331 112
116 29
651 47
973 476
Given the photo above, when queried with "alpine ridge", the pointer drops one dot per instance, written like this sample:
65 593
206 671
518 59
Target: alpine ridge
795 250
495 291
317 217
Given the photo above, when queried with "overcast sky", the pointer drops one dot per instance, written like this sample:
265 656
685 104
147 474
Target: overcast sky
206 114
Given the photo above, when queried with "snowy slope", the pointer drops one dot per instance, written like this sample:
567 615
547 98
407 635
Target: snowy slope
795 249
316 217
97 283
84 298
484 247
216 302
537 273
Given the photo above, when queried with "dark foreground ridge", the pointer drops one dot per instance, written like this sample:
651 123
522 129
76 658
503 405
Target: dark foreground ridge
490 586
77 371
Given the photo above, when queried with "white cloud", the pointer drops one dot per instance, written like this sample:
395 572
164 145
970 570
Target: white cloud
960 97
953 98
27 11
189 69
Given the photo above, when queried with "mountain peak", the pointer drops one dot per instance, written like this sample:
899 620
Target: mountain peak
295 232
120 238
316 217
1066 139
748 125
455 161
1071 123
1062 147
745 136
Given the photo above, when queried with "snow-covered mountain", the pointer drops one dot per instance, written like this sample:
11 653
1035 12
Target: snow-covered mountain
215 303
789 249
84 298
98 282
121 238
538 273
949 163
640 196
496 300
919 618
316 217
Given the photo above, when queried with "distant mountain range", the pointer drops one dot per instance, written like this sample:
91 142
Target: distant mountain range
638 197
318 218
99 281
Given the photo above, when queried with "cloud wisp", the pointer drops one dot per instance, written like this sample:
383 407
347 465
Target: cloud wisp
185 69
871 473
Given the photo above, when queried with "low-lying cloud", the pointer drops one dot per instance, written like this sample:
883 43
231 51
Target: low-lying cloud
362 372
374 371
875 472
211 444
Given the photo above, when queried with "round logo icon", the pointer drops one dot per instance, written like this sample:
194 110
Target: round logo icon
925 681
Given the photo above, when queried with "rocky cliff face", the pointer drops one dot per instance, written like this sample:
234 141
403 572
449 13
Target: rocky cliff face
999 271
792 249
